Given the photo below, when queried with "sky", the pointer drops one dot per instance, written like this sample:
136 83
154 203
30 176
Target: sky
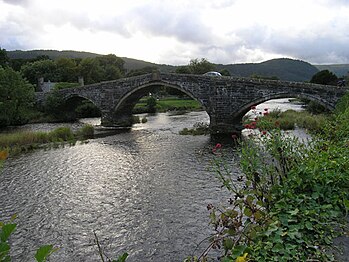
176 31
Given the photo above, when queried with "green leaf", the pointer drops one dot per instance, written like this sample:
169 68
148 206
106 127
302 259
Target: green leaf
6 231
238 251
228 244
294 212
249 199
122 258
247 212
226 259
346 203
43 252
13 217
4 249
278 248
308 225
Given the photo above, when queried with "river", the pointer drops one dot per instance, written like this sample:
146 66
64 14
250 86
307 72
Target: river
144 192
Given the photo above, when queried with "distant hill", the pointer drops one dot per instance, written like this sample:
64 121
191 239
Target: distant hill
283 68
53 54
130 63
340 70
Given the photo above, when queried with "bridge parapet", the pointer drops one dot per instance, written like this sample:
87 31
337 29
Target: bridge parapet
225 99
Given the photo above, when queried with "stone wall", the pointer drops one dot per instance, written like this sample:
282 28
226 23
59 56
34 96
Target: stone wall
225 99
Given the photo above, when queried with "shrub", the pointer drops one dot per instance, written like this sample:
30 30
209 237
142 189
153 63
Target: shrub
61 134
290 199
86 132
198 129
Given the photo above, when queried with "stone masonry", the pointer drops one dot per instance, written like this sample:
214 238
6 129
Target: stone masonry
225 99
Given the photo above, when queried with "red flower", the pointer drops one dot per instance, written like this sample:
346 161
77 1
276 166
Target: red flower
218 146
247 126
264 133
254 123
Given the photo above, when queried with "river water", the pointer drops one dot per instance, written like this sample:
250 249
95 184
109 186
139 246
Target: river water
144 192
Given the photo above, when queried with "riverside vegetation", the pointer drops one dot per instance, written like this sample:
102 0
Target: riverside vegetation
14 143
290 202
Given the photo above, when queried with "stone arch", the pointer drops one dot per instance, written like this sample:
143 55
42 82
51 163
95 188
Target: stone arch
71 101
133 96
121 114
237 116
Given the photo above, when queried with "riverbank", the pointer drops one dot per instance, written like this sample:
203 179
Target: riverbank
23 141
293 204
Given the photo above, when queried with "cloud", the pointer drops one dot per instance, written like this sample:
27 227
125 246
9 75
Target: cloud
16 2
164 31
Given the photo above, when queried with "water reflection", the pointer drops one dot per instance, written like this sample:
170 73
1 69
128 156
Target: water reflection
144 191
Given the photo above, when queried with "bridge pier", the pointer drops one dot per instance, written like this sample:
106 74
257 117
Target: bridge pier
109 119
224 128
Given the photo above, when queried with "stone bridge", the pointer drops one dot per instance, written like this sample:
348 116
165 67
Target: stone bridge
225 99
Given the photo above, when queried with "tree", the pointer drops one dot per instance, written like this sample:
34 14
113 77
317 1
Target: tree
67 69
183 70
112 66
54 105
151 104
225 72
201 66
42 68
4 60
324 77
16 97
91 70
141 71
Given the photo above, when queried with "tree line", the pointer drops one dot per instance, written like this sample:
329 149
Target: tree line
19 77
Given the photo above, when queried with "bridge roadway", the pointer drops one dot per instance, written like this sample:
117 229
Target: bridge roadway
225 99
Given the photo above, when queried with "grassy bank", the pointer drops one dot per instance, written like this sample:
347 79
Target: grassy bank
286 120
23 141
169 104
293 199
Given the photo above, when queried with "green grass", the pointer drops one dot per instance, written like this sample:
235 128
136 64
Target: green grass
27 140
289 119
169 104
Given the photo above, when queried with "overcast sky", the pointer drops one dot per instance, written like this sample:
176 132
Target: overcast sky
175 31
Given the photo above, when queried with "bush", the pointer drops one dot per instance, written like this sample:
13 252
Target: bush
290 202
61 134
198 129
65 85
86 132
16 98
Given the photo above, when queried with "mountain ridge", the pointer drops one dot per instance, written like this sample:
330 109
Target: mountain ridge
282 68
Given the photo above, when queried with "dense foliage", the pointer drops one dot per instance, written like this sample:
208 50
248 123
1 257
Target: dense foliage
4 60
16 97
324 77
196 66
93 70
284 69
290 203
